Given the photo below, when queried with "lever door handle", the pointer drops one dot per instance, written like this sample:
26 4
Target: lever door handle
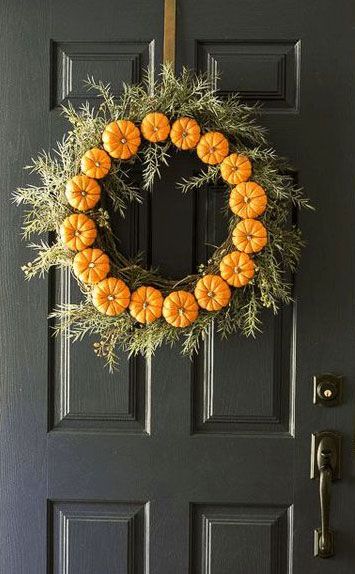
324 456
326 465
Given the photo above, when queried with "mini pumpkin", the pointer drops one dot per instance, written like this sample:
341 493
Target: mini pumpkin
155 127
82 192
212 292
111 296
237 268
121 139
212 148
91 265
180 309
235 168
95 163
146 304
78 231
248 200
185 133
249 236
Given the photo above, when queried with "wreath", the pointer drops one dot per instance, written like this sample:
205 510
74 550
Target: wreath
124 304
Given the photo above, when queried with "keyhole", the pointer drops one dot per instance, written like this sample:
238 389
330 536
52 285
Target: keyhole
327 391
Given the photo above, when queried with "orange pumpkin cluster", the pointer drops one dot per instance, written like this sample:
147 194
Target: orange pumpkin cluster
248 201
111 296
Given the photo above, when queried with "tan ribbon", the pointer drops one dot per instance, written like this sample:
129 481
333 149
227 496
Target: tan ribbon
169 32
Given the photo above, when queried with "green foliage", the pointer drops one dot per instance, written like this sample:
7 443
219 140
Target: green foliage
154 156
203 179
46 208
47 256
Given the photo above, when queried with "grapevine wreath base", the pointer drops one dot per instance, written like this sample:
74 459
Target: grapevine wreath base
125 305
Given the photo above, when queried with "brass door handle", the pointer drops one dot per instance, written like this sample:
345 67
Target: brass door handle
325 464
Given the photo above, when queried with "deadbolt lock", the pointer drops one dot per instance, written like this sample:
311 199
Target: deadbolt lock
327 389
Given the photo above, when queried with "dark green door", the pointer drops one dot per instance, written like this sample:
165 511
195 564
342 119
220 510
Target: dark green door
173 467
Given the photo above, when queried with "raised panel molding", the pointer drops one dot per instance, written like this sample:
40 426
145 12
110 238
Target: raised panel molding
109 62
233 538
95 537
82 394
263 71
265 402
258 399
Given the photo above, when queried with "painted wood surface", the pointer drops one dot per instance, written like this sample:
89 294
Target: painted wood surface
176 467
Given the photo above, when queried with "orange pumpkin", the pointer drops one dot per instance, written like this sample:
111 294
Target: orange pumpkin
121 139
146 304
91 265
155 127
212 292
185 133
249 236
78 231
212 148
82 192
248 200
95 163
111 296
180 308
235 168
237 268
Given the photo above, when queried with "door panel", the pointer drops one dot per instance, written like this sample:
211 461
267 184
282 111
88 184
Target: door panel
98 537
239 539
235 393
71 62
172 466
267 70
